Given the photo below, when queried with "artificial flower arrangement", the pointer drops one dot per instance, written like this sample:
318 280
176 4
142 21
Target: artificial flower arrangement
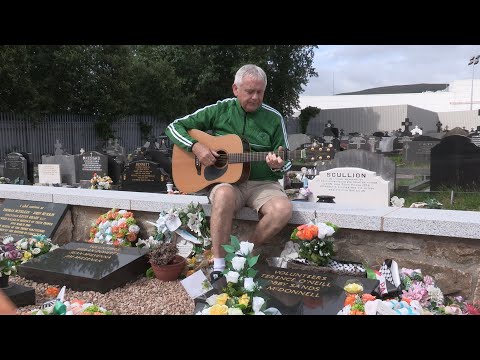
192 220
316 242
240 296
14 252
100 182
34 246
4 180
305 191
117 227
58 306
10 257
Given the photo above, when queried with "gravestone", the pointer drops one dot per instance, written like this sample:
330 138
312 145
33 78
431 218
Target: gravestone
92 162
144 175
358 142
87 267
386 144
475 139
455 161
344 140
16 166
352 186
364 159
67 162
49 174
327 131
115 168
407 125
372 143
21 218
296 140
418 150
299 292
439 126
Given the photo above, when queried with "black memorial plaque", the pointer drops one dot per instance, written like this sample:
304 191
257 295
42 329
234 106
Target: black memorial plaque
85 266
144 175
21 218
300 292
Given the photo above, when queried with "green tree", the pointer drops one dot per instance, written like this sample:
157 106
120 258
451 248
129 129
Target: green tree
306 115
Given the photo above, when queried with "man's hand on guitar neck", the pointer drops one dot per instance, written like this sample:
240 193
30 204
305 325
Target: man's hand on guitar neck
275 161
205 155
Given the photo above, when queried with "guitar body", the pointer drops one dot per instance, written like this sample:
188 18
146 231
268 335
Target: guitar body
189 175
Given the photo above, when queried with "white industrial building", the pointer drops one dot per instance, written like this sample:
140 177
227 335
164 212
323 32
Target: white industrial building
385 112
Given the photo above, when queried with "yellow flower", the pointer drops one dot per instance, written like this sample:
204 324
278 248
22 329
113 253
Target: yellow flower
26 256
243 300
39 244
222 299
219 309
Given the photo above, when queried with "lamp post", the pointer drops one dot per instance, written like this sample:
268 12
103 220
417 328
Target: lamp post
473 62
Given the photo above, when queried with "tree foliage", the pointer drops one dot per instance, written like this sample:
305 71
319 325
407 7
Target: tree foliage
111 81
306 115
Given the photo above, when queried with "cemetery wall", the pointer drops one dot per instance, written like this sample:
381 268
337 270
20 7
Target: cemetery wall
443 243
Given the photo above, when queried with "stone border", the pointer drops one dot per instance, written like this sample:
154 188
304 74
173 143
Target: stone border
449 223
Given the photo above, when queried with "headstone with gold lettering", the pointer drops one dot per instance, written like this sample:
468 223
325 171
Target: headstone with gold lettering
145 175
87 267
21 218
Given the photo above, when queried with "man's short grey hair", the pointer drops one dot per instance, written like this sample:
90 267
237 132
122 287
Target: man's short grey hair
250 70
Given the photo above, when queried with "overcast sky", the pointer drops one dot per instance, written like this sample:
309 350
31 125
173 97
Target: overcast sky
347 68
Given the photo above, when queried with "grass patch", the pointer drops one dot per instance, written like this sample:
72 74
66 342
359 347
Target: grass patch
461 200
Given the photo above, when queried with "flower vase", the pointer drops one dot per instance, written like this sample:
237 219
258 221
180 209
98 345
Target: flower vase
171 271
4 281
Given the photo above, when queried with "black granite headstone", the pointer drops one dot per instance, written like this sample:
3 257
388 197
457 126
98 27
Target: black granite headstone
144 175
301 292
115 168
85 266
21 218
92 162
455 161
16 166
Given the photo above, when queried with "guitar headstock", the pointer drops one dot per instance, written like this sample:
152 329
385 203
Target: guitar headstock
318 152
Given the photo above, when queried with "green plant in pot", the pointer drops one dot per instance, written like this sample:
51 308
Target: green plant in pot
166 264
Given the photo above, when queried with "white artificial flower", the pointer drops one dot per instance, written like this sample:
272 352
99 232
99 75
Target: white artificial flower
397 202
122 212
234 311
232 276
324 230
134 229
238 263
249 284
172 221
212 300
36 251
257 304
245 248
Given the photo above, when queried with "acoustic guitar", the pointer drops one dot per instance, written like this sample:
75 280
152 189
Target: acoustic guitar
233 164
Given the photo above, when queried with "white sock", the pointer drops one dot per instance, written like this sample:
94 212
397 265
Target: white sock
218 264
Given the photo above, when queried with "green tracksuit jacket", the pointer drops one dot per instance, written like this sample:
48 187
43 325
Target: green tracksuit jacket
264 129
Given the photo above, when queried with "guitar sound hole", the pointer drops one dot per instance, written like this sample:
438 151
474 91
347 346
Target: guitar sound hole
221 160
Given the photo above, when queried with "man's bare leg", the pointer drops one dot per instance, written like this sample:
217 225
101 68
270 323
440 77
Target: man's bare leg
276 214
221 218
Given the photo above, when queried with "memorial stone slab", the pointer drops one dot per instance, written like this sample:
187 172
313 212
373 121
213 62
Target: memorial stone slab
20 295
49 174
21 218
67 166
352 186
92 162
364 159
16 166
87 267
144 175
455 161
418 151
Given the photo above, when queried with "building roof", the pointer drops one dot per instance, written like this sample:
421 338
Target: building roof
400 89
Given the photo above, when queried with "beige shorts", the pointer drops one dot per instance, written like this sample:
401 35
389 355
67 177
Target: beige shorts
253 194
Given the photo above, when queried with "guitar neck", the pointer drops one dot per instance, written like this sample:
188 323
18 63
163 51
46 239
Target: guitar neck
234 158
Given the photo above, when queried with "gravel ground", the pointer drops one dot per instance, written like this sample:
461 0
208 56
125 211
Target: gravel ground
141 297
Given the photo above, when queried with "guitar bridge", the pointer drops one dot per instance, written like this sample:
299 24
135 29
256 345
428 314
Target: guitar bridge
198 166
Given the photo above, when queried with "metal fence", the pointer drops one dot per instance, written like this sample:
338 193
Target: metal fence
19 133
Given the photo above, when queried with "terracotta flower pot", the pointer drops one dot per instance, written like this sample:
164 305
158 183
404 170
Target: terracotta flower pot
171 271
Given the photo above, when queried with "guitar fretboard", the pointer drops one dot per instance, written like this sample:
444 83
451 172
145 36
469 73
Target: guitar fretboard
234 158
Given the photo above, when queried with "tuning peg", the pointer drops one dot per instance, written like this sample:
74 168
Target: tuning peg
320 157
328 157
312 158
